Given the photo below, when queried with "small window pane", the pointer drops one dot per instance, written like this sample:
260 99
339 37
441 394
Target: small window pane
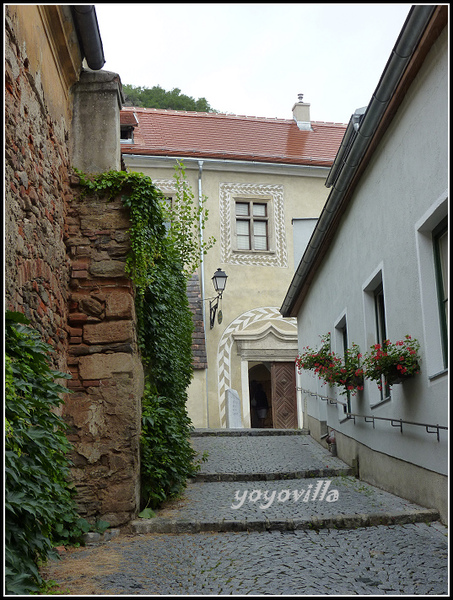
260 235
242 228
242 209
243 235
259 210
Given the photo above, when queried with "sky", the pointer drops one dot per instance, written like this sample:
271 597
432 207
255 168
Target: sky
254 59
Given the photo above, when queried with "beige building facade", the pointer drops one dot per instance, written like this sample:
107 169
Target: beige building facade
258 180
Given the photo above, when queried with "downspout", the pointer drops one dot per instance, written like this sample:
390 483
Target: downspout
202 281
89 36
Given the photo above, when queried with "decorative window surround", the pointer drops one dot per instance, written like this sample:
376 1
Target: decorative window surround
277 256
166 186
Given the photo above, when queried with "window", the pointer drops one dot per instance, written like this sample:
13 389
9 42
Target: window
341 339
432 248
440 242
127 134
252 226
381 332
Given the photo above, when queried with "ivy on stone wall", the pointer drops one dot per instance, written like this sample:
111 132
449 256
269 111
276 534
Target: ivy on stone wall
164 330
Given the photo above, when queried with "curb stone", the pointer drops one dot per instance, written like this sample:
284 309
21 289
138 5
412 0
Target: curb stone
246 432
162 525
93 537
310 474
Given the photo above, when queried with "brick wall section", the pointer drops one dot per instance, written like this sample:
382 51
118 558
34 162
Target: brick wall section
37 192
107 380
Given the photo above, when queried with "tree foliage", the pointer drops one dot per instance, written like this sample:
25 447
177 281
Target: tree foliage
186 223
157 97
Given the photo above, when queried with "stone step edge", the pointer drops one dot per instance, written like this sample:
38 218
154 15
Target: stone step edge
353 521
246 432
307 474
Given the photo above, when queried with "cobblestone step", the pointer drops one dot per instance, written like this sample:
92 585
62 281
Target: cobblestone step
285 475
351 521
246 432
275 480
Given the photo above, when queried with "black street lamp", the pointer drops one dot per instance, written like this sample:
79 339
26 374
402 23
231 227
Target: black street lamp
219 281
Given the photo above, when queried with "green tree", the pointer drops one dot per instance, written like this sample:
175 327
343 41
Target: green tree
157 97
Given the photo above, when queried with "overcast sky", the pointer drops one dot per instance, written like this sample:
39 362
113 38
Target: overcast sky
254 59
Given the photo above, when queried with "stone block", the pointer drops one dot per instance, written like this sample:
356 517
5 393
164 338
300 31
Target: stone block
107 268
112 219
108 332
234 417
119 304
104 366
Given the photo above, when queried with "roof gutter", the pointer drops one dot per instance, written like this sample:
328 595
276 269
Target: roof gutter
358 136
89 36
223 164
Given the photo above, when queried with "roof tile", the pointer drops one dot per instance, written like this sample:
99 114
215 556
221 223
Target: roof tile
235 137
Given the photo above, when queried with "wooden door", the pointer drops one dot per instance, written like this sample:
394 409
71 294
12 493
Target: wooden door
284 400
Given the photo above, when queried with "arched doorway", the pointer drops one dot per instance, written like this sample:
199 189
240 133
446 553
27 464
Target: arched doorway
260 378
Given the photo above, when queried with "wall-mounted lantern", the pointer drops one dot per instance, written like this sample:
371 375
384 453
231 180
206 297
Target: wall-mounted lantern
219 281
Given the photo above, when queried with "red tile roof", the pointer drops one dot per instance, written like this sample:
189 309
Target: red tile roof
234 137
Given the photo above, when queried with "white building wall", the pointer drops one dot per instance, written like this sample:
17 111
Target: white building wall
386 231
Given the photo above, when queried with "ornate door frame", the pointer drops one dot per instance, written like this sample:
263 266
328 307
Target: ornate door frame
269 343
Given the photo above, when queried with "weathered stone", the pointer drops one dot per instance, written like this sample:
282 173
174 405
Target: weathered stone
108 220
91 306
104 366
107 268
119 304
108 332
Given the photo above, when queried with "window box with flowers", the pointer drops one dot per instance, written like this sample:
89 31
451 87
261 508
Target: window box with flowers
348 375
392 363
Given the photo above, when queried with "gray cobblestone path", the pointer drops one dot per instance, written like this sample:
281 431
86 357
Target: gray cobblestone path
296 545
394 560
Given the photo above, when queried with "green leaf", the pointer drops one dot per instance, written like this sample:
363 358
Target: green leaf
147 513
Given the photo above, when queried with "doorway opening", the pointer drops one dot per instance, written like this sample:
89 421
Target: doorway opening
260 394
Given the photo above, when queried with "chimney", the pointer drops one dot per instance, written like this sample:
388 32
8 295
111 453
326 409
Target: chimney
301 114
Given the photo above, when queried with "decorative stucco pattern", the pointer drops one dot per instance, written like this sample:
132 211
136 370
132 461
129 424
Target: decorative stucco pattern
226 343
278 257
165 185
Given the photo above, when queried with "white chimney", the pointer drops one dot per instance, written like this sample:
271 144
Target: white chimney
301 114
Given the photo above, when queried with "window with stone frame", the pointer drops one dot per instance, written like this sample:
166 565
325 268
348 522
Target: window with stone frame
252 225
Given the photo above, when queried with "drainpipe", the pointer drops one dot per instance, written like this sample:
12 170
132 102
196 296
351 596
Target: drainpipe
202 283
89 36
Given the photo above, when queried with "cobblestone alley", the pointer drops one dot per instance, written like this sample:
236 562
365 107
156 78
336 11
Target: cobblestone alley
269 514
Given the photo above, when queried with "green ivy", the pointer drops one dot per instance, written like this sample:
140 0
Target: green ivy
39 502
160 261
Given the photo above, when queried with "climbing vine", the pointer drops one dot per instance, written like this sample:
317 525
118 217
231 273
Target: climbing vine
164 252
182 214
40 509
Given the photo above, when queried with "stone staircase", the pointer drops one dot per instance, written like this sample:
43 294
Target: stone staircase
267 479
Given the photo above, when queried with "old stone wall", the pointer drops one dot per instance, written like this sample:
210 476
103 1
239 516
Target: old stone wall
65 256
37 192
104 410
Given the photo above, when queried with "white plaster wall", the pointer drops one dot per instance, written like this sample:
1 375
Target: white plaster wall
406 180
